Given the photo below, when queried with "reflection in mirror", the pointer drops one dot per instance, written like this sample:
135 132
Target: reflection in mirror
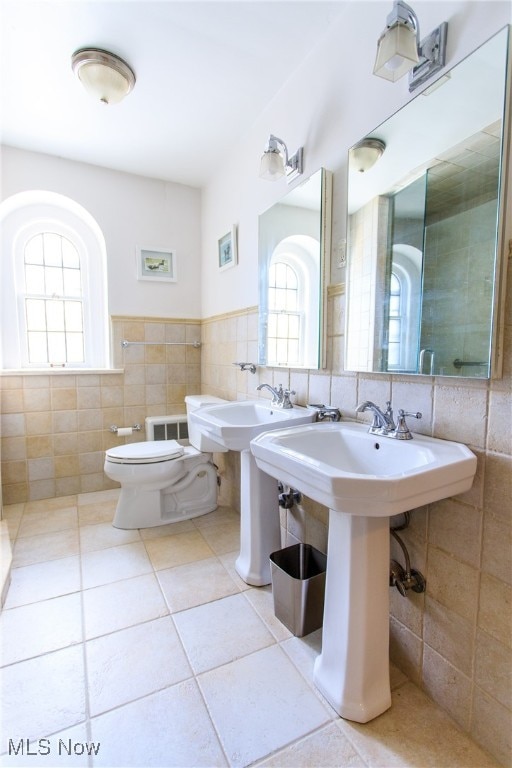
291 245
424 229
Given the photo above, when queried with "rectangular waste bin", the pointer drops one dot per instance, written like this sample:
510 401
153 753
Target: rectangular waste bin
298 587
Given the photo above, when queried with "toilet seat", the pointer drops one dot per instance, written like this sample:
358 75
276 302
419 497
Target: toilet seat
148 452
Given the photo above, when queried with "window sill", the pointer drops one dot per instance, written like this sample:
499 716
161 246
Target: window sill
57 371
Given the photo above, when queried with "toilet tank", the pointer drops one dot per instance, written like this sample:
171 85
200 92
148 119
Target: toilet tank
199 441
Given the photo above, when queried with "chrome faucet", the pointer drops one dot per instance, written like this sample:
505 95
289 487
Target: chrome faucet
383 422
275 394
280 396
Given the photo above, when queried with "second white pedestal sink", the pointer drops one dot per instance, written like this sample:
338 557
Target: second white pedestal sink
233 425
363 479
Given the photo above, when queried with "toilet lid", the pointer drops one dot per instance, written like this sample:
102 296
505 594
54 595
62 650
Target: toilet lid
148 452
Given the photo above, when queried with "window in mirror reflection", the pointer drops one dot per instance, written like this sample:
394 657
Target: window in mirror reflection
395 323
293 281
283 316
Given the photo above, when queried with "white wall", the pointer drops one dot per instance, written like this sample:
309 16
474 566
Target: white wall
131 211
326 106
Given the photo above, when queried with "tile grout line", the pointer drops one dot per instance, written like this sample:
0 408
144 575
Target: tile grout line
88 725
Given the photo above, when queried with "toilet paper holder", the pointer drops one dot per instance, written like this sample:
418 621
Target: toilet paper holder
136 428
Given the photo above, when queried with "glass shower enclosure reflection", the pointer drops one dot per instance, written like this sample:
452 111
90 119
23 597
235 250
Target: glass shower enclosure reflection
439 267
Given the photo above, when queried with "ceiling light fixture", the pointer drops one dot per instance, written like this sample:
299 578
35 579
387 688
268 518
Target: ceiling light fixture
399 49
104 75
365 154
276 163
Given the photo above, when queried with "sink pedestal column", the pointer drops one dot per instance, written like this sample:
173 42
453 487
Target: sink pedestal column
352 672
260 532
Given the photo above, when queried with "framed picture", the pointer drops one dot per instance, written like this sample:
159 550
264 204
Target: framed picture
227 249
157 264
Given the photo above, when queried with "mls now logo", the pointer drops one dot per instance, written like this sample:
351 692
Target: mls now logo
44 747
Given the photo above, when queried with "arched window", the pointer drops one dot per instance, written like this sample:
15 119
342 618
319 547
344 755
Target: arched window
54 306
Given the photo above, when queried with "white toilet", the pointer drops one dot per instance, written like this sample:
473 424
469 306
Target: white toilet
164 481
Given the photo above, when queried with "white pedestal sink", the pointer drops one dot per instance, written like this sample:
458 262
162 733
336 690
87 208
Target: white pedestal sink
233 425
363 479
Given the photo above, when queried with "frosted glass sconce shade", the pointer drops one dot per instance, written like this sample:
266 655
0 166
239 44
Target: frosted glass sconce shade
397 52
275 161
272 165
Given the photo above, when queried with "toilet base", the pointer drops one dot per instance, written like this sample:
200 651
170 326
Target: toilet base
193 495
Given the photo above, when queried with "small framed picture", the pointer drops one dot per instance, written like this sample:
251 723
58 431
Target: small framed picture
156 264
227 249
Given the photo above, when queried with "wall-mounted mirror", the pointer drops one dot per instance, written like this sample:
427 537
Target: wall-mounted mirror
425 257
293 238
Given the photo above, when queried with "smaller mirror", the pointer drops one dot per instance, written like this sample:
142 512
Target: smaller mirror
292 242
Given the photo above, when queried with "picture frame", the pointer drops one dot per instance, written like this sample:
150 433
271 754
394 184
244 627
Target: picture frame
227 251
157 264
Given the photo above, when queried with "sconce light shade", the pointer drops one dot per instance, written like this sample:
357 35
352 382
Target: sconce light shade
365 154
105 76
272 165
275 161
397 52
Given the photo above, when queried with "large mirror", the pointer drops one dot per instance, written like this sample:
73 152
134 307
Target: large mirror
425 257
293 239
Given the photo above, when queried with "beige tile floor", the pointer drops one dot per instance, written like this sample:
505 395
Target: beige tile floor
146 647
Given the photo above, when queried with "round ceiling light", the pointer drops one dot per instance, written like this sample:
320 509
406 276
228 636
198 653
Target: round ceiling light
104 75
365 154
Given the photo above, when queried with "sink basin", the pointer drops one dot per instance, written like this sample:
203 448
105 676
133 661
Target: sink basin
235 424
363 479
347 469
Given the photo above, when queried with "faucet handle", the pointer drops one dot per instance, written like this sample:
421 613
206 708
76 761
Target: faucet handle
402 431
279 394
416 415
285 397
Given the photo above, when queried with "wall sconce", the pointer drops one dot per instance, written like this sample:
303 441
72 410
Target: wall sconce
399 49
365 153
105 76
275 161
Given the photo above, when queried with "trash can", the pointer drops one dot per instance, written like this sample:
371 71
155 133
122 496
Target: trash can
298 587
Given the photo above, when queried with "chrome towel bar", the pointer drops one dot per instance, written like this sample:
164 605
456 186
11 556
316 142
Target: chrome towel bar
461 363
196 344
